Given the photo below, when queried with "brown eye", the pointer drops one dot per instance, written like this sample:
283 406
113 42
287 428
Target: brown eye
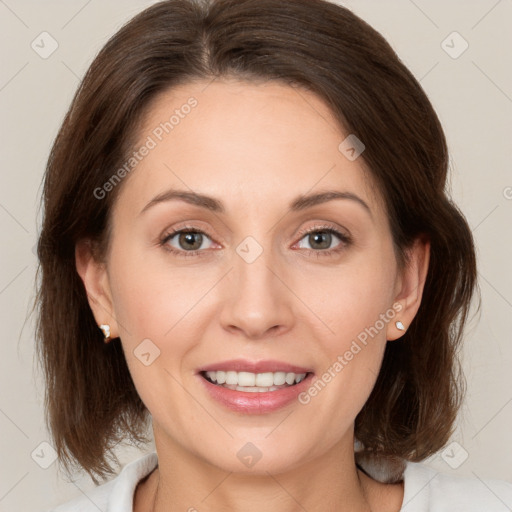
190 240
185 241
320 240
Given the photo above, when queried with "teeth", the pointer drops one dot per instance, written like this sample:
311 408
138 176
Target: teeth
258 381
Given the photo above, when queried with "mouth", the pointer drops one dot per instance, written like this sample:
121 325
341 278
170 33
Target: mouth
255 387
249 382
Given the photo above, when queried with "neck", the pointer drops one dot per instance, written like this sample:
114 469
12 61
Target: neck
184 481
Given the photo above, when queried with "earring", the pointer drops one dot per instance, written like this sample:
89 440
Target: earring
400 325
106 332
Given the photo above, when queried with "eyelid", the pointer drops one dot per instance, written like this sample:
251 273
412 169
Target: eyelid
324 226
172 232
345 239
184 227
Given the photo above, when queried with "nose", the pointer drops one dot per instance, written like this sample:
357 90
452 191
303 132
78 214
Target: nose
258 302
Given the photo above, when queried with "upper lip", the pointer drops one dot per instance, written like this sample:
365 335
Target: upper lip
244 365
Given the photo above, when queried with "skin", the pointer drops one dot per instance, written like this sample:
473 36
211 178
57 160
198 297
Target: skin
255 147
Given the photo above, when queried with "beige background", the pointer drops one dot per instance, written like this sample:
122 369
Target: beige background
473 97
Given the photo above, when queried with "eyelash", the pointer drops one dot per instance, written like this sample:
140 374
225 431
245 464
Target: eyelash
345 241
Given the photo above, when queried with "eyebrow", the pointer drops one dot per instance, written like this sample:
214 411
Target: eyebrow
300 203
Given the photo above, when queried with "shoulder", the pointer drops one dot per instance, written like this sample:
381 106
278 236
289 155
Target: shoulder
426 489
117 494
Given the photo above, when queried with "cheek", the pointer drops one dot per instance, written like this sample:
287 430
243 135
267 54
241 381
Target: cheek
149 296
150 303
350 298
358 314
355 302
153 305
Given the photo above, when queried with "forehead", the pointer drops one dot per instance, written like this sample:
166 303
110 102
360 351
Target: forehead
248 143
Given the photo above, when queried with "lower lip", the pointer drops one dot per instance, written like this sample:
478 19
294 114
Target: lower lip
257 402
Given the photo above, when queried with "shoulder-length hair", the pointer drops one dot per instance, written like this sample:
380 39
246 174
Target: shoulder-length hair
91 402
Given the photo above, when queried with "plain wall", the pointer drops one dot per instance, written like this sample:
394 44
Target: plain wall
473 97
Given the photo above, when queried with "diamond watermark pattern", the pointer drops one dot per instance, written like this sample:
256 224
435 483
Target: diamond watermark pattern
454 455
249 454
454 45
249 249
44 455
44 45
351 147
146 352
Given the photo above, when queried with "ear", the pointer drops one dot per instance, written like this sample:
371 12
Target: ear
95 278
409 287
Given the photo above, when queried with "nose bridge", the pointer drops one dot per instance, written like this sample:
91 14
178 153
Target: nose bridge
251 265
258 301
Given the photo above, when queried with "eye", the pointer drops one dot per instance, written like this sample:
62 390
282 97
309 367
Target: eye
320 240
185 242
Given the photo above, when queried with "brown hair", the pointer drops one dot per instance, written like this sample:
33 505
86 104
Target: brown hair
91 401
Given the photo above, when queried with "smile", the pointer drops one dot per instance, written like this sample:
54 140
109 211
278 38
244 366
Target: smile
254 382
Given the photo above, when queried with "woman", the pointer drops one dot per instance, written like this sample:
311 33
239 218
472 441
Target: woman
247 241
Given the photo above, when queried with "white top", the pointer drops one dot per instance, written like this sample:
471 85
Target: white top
425 490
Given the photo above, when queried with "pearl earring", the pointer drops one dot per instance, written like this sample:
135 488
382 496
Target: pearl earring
106 332
400 325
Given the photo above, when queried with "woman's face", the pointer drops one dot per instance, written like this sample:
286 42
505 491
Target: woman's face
249 282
